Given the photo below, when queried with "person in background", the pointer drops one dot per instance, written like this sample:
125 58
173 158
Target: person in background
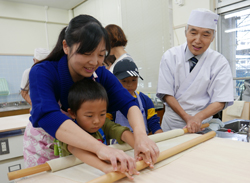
195 82
118 41
88 102
39 54
108 61
127 73
79 53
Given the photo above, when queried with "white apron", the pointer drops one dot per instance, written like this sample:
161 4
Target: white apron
210 81
123 121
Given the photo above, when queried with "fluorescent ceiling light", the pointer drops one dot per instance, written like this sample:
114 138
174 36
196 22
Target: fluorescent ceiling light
247 28
237 14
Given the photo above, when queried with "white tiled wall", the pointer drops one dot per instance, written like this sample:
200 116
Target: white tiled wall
11 68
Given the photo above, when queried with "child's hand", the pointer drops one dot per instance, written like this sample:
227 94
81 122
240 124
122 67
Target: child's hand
108 168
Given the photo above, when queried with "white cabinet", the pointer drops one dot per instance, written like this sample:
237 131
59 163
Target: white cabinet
11 144
13 148
11 154
10 165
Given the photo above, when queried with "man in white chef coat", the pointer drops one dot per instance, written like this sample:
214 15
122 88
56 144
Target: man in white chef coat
39 54
195 82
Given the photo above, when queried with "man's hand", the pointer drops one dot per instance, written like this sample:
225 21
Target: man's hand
193 124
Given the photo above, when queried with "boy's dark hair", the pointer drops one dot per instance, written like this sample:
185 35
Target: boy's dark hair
83 91
116 35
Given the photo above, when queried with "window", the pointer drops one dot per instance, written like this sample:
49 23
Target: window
234 43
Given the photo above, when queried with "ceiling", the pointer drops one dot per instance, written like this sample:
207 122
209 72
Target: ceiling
61 4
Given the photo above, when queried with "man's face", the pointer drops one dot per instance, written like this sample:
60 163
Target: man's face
199 39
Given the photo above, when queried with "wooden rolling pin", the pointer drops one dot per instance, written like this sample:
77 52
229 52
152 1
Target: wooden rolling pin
114 176
46 167
28 171
205 125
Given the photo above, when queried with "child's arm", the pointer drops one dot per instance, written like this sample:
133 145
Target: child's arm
128 137
152 119
158 131
92 160
113 130
88 158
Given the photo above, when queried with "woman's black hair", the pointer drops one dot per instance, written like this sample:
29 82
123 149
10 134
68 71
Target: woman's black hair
84 30
83 91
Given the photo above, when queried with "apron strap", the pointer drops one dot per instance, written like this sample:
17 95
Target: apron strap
142 111
103 136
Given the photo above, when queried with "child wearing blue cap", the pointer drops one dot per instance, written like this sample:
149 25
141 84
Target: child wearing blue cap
127 73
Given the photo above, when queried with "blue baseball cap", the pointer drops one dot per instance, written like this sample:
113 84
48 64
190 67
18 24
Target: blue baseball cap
126 68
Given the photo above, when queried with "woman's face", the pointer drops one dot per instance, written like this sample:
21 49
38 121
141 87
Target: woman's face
84 65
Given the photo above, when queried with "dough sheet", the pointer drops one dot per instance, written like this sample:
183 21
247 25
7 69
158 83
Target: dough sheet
69 161
217 160
62 163
156 138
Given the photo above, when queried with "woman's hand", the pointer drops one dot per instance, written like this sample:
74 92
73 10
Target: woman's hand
143 145
146 149
119 160
107 168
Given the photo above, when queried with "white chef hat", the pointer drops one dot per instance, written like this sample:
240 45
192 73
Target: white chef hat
203 18
41 53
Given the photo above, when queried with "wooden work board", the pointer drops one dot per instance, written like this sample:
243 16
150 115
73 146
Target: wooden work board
216 160
244 115
14 122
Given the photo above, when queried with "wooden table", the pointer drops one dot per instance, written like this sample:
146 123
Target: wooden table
217 160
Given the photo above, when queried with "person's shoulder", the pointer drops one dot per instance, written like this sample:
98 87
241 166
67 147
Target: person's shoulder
125 55
45 66
214 52
175 50
217 56
141 94
146 100
26 72
103 73
100 69
144 96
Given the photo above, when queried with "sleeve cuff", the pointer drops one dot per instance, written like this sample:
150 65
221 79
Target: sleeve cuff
120 135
